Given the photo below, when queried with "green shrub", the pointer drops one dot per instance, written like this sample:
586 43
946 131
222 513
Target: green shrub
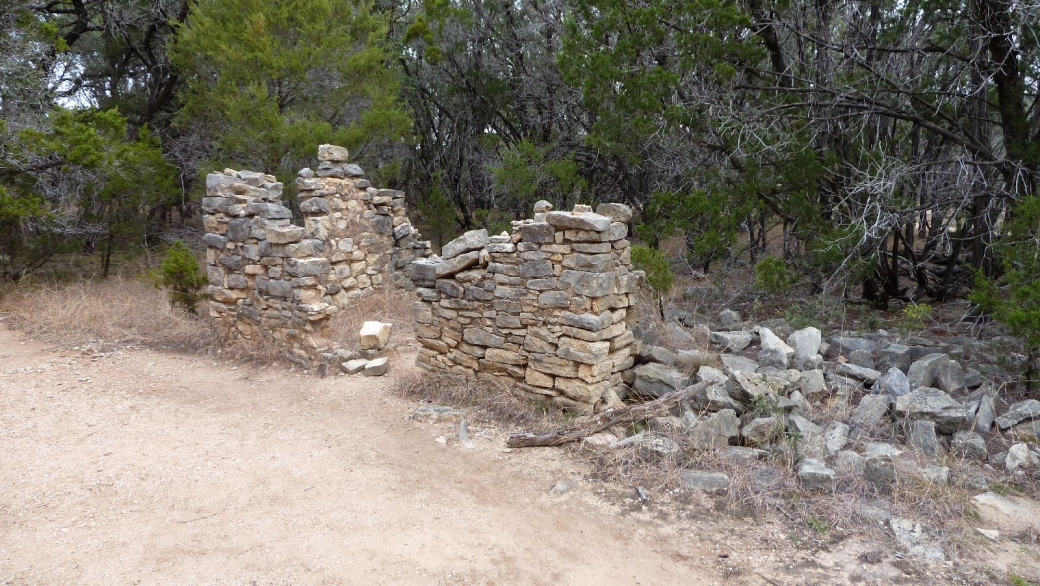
771 275
1014 299
659 275
180 273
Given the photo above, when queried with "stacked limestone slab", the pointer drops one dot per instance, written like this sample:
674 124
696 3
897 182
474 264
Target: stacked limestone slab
271 277
543 311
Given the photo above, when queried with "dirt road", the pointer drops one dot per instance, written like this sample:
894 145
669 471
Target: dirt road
153 468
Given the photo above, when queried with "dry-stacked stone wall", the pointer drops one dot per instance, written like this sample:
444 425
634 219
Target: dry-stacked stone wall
544 311
272 277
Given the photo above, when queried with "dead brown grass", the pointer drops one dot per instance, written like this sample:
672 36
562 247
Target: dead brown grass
490 403
385 303
118 310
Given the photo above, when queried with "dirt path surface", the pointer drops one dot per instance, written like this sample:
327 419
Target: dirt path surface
144 467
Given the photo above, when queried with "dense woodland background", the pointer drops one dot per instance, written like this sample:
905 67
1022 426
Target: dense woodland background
881 149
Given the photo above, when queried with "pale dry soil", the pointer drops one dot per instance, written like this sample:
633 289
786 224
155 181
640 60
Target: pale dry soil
133 466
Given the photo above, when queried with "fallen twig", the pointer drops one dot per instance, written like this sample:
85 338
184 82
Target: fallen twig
587 426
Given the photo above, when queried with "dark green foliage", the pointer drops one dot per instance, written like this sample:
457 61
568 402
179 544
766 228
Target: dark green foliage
93 189
1014 298
267 81
659 275
180 273
436 209
772 276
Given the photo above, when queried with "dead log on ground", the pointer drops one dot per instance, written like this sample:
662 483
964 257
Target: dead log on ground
587 426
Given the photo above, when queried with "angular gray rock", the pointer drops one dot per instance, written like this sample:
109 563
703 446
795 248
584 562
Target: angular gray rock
354 366
808 437
813 474
875 449
711 373
773 357
714 432
578 221
732 341
761 431
1020 456
717 398
729 318
922 373
849 462
377 367
894 356
775 352
562 486
880 472
872 411
836 436
750 387
716 483
970 445
866 375
656 443
472 240
948 414
655 353
812 384
655 379
734 363
617 212
948 376
845 345
862 358
330 152
921 436
893 383
805 343
1027 410
916 539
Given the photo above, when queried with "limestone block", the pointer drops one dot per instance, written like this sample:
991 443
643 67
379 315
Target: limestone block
597 263
329 152
284 235
457 264
307 267
268 210
377 367
582 391
578 221
472 240
617 212
582 351
588 284
481 337
374 335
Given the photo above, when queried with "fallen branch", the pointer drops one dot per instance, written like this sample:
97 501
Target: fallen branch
587 426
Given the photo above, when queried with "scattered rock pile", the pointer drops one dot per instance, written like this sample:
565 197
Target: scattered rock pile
272 277
373 340
910 405
542 311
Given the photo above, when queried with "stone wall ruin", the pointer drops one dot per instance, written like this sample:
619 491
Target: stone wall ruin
272 277
543 311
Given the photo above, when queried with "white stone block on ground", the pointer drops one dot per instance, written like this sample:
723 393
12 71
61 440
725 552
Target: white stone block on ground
354 366
377 367
374 335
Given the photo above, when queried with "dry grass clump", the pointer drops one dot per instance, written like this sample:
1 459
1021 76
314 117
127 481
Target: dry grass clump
494 403
118 310
385 303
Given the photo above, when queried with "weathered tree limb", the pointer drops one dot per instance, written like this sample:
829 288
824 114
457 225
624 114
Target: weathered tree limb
587 426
